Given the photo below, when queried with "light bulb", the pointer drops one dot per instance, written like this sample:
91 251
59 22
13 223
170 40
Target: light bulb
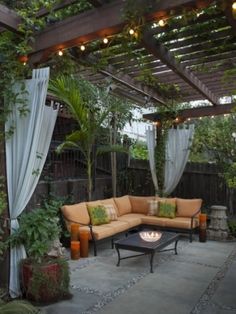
105 40
162 23
60 53
234 6
82 47
131 31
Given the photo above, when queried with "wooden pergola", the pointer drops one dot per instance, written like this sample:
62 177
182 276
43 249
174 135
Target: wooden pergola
175 54
192 56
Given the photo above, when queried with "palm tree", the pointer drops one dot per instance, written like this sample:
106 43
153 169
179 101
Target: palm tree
83 102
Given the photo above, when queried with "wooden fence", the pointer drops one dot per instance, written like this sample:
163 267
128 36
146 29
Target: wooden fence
198 181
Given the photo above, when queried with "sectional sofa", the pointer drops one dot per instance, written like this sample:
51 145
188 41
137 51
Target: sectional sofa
129 212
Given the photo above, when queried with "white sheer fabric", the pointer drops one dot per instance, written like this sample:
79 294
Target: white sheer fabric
151 143
26 151
177 153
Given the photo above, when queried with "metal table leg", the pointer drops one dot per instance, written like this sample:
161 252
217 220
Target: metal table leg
176 242
118 252
151 261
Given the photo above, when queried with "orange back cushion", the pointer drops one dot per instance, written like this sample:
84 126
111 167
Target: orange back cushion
187 207
76 213
123 205
140 204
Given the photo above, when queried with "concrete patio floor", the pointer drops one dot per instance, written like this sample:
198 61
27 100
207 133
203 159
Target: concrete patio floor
200 279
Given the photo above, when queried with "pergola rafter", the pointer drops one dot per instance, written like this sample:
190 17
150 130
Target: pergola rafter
159 51
172 53
9 19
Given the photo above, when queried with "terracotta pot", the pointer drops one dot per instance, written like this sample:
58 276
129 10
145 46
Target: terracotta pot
23 59
41 282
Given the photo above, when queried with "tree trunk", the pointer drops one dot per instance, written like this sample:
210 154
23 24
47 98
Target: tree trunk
89 173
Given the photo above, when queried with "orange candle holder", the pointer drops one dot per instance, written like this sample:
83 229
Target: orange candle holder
84 243
202 227
202 220
74 250
74 232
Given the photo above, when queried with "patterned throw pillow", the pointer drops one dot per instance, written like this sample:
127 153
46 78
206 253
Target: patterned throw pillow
166 210
152 208
111 211
98 215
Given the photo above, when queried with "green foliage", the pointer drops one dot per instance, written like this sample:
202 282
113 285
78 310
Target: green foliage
232 227
37 230
18 306
139 150
214 142
84 103
159 153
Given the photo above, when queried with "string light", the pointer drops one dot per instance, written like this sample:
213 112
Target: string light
162 23
82 47
60 53
105 40
177 119
234 6
131 31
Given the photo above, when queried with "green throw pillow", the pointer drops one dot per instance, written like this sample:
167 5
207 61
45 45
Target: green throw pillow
166 210
98 215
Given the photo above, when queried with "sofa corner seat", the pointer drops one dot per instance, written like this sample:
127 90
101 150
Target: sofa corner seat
132 212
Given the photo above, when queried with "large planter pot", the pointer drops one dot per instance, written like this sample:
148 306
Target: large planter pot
45 282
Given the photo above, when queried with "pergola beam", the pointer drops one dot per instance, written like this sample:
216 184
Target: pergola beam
229 16
126 80
162 53
9 18
96 23
95 3
196 112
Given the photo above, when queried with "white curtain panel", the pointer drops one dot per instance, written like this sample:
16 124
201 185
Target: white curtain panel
151 143
177 152
26 152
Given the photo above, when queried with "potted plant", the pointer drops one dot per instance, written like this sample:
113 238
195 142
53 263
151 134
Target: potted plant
44 278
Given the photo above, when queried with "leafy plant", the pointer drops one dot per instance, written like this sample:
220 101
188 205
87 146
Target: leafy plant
18 306
84 103
232 227
139 150
36 232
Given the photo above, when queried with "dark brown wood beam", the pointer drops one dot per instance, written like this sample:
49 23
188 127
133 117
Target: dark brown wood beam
96 23
229 15
9 18
95 3
126 80
196 112
158 50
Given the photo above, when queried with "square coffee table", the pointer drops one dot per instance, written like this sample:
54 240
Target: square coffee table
135 243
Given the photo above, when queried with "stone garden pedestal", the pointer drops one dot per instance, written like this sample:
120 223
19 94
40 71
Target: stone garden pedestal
218 227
